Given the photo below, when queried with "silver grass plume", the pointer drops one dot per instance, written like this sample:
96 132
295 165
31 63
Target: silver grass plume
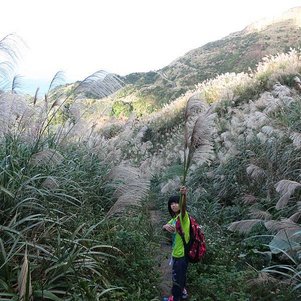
50 183
100 84
171 185
198 145
194 106
284 224
260 214
249 199
255 171
15 112
57 80
244 226
286 188
131 186
48 156
24 281
9 57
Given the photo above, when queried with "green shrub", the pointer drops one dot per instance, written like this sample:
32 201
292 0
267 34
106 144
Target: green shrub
135 270
121 109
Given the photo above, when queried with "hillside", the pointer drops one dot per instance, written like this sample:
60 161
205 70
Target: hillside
78 188
237 52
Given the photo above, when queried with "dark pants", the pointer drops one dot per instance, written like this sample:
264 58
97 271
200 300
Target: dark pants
179 271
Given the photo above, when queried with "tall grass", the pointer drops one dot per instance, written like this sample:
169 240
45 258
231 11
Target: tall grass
53 194
252 184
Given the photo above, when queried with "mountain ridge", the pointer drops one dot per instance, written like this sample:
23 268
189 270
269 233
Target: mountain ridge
237 52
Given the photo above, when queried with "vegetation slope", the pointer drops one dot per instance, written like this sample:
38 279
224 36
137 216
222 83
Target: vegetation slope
76 189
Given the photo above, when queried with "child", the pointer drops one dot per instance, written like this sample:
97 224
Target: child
177 210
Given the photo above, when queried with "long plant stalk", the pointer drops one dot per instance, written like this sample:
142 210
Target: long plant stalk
200 138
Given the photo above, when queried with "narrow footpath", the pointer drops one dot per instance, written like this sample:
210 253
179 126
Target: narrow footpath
163 257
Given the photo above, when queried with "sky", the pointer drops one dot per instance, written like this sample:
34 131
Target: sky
120 36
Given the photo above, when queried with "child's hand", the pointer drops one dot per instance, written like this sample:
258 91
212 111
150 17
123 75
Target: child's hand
169 228
183 190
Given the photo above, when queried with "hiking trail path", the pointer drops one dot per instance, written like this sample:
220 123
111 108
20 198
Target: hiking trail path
164 254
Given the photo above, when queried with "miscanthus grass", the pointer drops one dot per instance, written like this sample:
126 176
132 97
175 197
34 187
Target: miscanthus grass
49 247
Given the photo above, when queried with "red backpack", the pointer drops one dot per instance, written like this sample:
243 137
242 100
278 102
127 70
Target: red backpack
195 249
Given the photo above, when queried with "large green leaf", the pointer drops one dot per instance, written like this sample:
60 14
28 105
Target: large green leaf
285 240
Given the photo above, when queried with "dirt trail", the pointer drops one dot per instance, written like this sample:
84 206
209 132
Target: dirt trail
163 257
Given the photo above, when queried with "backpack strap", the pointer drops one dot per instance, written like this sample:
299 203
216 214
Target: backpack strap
181 233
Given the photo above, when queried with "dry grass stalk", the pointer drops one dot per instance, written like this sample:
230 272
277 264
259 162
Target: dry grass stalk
286 188
244 226
24 281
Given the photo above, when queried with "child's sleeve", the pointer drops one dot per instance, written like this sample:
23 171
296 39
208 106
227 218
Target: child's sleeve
185 219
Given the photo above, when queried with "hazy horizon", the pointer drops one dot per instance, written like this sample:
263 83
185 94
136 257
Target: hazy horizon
119 36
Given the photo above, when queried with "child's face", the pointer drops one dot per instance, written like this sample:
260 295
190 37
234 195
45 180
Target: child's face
175 207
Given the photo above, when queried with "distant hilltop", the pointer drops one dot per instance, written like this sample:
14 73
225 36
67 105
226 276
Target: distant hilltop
293 14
